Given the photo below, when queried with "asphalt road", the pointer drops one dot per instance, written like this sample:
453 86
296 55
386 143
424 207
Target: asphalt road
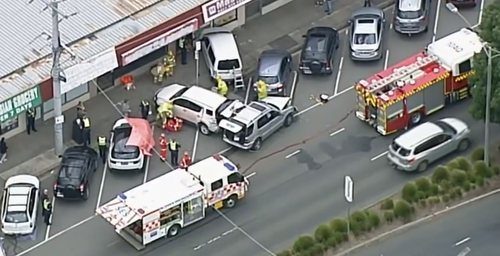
468 227
290 195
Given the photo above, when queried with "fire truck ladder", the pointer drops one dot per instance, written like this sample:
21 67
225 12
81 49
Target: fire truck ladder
401 73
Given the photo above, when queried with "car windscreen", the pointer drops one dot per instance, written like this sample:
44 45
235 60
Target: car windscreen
315 47
123 151
70 172
365 39
228 64
410 14
16 217
269 79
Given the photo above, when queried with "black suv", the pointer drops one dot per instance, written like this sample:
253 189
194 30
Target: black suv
319 50
77 166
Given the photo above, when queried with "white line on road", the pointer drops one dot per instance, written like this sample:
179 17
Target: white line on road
47 231
292 154
480 13
386 60
337 132
436 21
294 83
250 175
319 104
195 144
337 81
463 241
101 187
464 252
379 156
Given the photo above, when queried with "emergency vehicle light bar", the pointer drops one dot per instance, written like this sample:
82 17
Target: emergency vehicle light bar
400 73
228 166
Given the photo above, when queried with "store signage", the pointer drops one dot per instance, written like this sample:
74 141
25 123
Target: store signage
89 69
216 8
160 41
20 103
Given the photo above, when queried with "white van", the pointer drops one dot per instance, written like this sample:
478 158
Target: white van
221 53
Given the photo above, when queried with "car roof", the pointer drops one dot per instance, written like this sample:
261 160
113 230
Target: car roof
367 12
270 63
223 44
410 5
204 96
418 134
82 151
322 30
247 114
365 28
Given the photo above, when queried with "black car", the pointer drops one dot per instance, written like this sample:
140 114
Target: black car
318 52
77 167
274 68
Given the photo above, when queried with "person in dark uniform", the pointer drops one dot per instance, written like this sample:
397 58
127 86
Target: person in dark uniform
47 211
145 109
173 147
30 120
85 125
102 143
368 3
182 48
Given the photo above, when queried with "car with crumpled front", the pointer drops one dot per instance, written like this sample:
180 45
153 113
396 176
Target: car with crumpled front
366 27
318 51
411 16
274 68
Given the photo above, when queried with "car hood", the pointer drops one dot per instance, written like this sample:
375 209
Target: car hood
164 94
229 110
279 102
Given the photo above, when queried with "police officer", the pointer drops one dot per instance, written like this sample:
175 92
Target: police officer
367 3
102 143
182 48
30 120
47 210
85 125
145 109
173 147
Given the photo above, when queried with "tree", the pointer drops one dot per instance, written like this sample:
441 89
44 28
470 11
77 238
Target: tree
489 31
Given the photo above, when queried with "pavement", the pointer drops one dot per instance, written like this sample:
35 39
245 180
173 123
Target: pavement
471 231
291 192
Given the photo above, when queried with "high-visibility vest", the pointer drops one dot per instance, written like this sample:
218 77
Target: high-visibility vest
145 103
46 204
181 43
101 141
173 146
86 122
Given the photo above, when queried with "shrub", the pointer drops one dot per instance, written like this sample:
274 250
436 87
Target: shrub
303 244
284 253
477 154
317 249
422 202
463 164
340 237
374 220
482 169
452 194
446 198
389 216
458 192
440 174
445 186
458 177
471 177
359 218
466 186
495 169
409 192
339 225
433 200
322 234
403 210
421 195
423 184
480 181
452 165
434 191
387 204
332 243
473 186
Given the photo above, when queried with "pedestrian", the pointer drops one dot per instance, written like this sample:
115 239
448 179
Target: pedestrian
328 6
3 151
185 161
182 48
126 107
30 120
80 109
102 143
173 147
47 211
163 147
145 109
368 3
85 126
45 195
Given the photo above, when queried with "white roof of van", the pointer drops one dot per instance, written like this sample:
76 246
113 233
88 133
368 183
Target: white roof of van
224 45
204 96
213 168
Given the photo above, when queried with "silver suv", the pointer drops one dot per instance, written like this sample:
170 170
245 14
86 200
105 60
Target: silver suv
416 149
255 122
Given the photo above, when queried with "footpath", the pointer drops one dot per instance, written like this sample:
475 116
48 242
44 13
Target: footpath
280 29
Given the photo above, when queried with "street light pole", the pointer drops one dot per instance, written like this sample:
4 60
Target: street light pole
487 50
56 80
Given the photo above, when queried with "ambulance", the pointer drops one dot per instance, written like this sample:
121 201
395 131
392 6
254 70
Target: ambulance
160 208
403 95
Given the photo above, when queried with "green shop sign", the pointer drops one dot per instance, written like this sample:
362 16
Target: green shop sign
20 103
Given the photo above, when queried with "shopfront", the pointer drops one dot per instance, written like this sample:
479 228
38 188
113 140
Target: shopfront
12 117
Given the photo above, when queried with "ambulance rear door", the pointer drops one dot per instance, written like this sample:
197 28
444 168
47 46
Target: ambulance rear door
117 213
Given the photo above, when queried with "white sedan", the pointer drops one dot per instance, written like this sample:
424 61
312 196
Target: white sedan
20 202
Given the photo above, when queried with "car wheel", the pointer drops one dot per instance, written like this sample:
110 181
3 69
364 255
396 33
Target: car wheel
204 129
230 202
288 120
86 194
257 144
422 166
463 145
174 230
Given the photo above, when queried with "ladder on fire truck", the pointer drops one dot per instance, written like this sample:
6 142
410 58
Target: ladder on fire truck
401 73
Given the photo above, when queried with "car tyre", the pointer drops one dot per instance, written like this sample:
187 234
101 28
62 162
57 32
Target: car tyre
86 194
422 167
203 129
174 230
463 145
230 202
257 145
288 120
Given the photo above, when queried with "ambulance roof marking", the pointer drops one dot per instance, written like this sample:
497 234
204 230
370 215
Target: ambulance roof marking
210 169
118 214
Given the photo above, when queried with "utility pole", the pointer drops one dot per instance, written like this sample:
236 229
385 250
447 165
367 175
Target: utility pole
56 79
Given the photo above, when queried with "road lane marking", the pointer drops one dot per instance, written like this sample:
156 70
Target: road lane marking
250 175
294 83
337 81
463 241
337 132
386 61
47 231
464 252
101 187
436 21
292 154
379 156
195 144
319 104
480 14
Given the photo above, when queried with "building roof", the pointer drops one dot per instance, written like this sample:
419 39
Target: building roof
97 26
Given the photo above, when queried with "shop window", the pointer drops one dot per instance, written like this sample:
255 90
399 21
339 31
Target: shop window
49 105
226 18
77 92
9 125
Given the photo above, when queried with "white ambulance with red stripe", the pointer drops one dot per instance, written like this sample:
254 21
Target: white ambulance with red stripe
163 206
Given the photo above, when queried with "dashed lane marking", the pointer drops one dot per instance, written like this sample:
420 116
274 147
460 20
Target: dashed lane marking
379 156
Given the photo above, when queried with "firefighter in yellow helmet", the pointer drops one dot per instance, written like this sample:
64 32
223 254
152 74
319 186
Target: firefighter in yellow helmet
165 112
221 87
261 90
158 72
171 63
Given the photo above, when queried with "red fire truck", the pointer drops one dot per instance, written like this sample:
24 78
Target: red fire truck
402 95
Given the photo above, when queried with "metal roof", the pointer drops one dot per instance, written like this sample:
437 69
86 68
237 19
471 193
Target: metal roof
26 59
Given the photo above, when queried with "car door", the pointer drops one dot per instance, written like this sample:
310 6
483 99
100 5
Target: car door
205 47
380 32
32 204
443 146
283 73
187 110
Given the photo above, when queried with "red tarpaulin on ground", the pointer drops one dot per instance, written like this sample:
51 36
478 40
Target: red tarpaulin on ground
141 135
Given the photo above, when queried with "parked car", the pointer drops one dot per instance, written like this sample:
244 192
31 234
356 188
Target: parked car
411 16
20 202
122 155
252 124
417 148
274 68
465 3
201 107
366 32
318 51
77 167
